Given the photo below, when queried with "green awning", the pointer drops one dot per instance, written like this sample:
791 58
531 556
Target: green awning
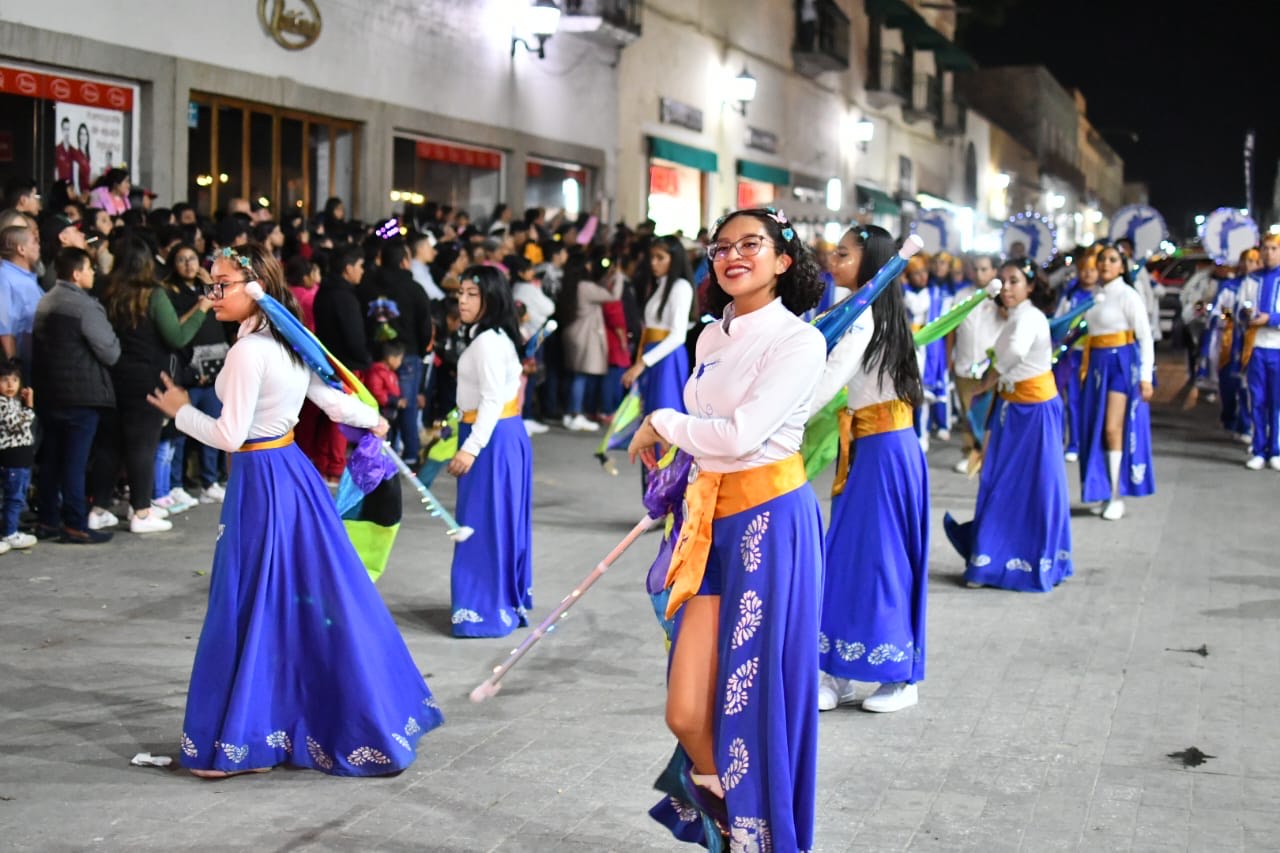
916 31
952 58
685 155
761 172
878 200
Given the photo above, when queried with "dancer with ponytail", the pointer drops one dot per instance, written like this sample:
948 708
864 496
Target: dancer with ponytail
662 365
873 596
1119 362
744 577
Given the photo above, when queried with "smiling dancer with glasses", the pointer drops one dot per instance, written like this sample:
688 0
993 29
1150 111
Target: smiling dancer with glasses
299 661
746 573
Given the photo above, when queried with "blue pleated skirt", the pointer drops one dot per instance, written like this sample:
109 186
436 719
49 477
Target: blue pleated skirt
662 386
873 597
1114 369
766 726
492 576
299 661
1020 536
1066 374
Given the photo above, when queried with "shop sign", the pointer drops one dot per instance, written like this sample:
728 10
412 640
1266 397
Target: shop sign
65 89
762 140
681 115
476 158
294 24
664 180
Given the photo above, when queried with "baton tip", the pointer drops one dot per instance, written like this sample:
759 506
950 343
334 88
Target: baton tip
485 691
461 534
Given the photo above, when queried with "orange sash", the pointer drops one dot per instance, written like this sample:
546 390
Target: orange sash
269 444
889 416
718 495
1107 341
1250 335
652 336
1037 389
1224 346
510 410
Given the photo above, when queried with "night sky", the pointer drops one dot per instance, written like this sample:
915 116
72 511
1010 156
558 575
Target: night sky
1189 79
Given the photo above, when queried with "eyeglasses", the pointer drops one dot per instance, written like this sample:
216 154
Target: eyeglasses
218 289
748 247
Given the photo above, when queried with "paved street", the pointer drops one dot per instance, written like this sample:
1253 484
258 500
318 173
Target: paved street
1045 723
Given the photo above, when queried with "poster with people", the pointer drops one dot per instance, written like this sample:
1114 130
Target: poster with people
89 141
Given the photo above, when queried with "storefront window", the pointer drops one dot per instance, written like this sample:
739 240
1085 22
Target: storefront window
561 188
446 173
675 197
57 127
754 193
285 158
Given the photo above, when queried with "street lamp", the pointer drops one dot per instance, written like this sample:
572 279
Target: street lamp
864 131
742 89
540 22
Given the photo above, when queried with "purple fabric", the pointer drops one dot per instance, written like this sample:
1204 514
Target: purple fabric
368 465
664 491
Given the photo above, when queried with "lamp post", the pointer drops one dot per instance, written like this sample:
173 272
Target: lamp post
864 131
742 90
540 23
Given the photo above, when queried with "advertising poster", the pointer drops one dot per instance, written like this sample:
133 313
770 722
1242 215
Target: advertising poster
89 141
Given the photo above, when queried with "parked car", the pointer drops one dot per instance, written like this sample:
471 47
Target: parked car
1168 278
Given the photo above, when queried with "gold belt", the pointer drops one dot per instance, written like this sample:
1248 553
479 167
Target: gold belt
1107 341
651 335
1037 389
509 410
267 443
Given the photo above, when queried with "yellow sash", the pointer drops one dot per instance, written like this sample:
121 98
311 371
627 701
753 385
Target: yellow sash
510 410
1224 346
652 336
1107 341
1037 389
1250 335
889 416
710 496
269 444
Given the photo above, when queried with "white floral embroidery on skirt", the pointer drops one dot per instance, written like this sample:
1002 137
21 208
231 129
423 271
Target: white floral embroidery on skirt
736 691
751 609
750 835
739 764
751 539
464 615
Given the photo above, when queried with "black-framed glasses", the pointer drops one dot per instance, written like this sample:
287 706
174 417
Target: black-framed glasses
218 289
748 247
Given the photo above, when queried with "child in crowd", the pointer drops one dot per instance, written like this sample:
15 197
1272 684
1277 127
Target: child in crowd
17 454
382 381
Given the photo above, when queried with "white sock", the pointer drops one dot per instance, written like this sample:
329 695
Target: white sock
1113 466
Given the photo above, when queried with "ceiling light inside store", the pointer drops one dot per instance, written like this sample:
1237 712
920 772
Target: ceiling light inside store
835 194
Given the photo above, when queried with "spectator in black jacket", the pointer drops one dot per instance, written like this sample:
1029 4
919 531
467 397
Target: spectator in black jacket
411 326
75 347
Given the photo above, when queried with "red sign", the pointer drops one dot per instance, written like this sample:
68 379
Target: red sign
664 180
476 158
68 90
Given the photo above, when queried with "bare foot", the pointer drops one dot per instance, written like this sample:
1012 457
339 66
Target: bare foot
223 774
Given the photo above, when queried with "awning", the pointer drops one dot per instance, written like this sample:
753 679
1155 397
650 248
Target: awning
685 155
878 201
761 172
916 31
952 58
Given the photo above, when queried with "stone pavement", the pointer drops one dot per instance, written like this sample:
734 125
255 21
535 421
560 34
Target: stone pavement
1046 721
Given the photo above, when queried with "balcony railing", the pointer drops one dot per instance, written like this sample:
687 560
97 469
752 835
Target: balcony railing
953 119
926 98
822 38
890 78
611 21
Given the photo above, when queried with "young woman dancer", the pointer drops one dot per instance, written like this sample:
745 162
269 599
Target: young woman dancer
662 366
1261 357
1020 536
1067 371
745 573
1236 415
299 661
492 575
1119 361
873 597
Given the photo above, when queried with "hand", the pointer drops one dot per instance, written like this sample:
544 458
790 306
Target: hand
202 276
26 396
169 398
422 402
402 403
461 463
1147 391
1259 318
633 373
205 304
643 446
382 428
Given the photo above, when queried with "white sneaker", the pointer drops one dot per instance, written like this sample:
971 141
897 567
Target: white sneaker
833 692
150 524
100 518
182 497
169 505
944 435
532 427
1256 463
891 697
577 423
213 494
961 467
1113 511
4 547
1071 456
18 541
924 442
1274 463
1244 438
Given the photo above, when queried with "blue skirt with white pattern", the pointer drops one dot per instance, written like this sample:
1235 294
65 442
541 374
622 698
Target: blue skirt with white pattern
873 597
299 661
766 724
492 574
1114 369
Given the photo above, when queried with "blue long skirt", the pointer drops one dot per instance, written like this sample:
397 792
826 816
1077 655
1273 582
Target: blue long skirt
766 726
1114 369
299 661
1020 536
937 382
662 386
873 597
1066 374
492 575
